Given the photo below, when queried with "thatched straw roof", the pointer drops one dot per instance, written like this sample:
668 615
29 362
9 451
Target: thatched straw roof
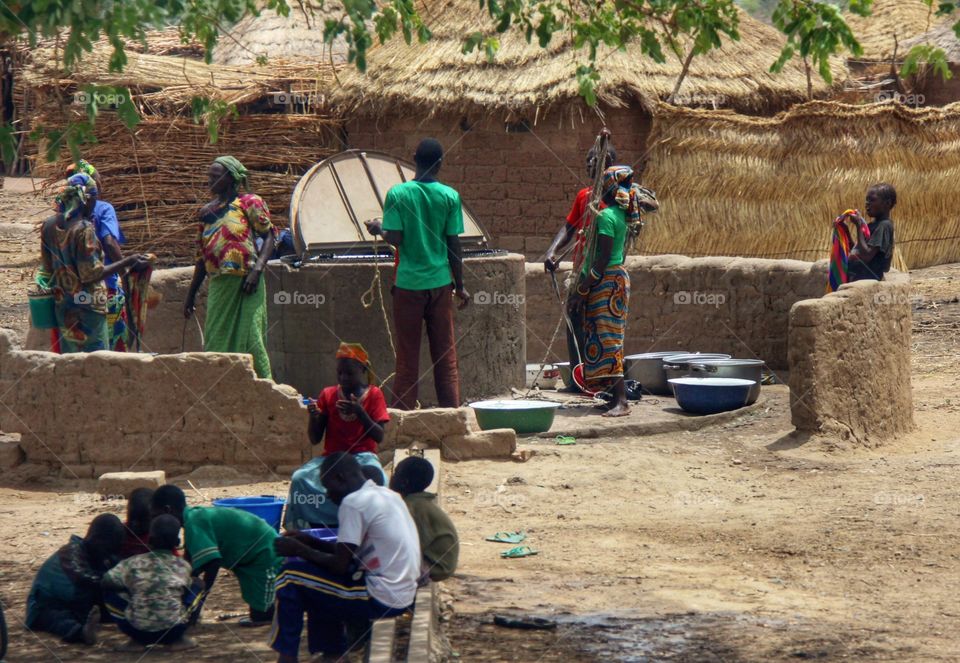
298 35
941 36
892 22
171 82
524 78
771 187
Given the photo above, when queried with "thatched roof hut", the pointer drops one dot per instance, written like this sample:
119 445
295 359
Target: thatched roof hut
772 186
299 35
891 24
438 76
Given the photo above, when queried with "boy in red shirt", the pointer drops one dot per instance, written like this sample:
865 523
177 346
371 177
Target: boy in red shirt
577 220
348 417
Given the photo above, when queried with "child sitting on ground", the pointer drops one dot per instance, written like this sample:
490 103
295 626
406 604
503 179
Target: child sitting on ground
137 538
65 596
160 598
238 541
349 417
439 543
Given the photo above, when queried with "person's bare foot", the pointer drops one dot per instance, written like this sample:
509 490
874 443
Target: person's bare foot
183 644
130 645
618 410
91 626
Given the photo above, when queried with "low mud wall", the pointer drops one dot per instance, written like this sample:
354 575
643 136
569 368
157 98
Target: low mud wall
739 306
850 362
83 415
312 309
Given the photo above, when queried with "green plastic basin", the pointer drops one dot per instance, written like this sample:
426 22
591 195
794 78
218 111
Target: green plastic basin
522 416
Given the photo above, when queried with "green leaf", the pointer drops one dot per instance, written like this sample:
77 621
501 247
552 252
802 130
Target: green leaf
8 144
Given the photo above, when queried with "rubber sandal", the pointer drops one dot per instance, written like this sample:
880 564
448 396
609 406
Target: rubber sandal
566 439
519 551
507 537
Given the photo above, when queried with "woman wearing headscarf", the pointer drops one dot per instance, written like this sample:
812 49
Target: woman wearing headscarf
227 251
349 416
107 228
603 286
72 262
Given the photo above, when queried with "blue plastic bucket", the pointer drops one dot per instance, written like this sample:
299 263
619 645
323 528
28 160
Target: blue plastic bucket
267 507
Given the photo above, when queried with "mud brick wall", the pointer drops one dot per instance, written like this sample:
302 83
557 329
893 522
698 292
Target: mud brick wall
520 185
850 362
738 306
324 309
83 415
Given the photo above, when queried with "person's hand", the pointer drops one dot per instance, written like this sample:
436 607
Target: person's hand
189 306
312 408
374 226
551 263
464 297
250 283
140 263
350 406
289 546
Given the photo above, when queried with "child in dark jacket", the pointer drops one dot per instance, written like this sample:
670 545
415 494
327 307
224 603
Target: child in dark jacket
137 538
439 543
65 596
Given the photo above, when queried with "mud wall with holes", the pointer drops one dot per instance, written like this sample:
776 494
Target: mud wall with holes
519 176
738 306
85 414
850 362
312 309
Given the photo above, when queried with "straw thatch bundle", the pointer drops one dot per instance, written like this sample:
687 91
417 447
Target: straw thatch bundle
269 35
770 187
941 36
891 24
438 77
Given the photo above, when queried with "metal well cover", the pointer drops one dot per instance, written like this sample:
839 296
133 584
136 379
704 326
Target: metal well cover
333 199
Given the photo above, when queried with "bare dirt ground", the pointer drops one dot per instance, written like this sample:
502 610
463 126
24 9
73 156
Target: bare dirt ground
732 543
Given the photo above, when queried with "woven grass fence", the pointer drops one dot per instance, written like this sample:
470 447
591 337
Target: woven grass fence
770 187
156 175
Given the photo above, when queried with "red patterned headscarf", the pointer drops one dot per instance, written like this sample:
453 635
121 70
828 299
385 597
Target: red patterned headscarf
356 352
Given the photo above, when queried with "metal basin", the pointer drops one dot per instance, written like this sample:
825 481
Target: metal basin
647 369
710 395
678 366
742 369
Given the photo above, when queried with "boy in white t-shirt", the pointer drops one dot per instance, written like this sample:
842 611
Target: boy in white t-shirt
370 572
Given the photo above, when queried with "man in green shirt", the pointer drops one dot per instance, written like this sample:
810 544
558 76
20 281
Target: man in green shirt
216 537
423 219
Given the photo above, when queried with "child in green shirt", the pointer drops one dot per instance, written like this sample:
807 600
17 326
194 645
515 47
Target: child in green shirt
439 543
236 540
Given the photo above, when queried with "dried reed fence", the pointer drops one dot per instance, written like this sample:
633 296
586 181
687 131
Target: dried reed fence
770 187
155 175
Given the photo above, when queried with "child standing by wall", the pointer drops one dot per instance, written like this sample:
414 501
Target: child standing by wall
439 543
65 596
348 417
161 597
870 258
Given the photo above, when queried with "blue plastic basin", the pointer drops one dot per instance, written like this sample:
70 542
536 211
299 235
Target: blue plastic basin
323 533
711 395
267 507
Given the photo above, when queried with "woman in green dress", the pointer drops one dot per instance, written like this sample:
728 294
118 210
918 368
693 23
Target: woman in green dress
227 251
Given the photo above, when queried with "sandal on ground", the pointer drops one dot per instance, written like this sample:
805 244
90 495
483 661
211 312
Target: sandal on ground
519 551
507 537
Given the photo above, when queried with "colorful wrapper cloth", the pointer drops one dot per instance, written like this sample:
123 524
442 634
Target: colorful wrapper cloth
840 248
